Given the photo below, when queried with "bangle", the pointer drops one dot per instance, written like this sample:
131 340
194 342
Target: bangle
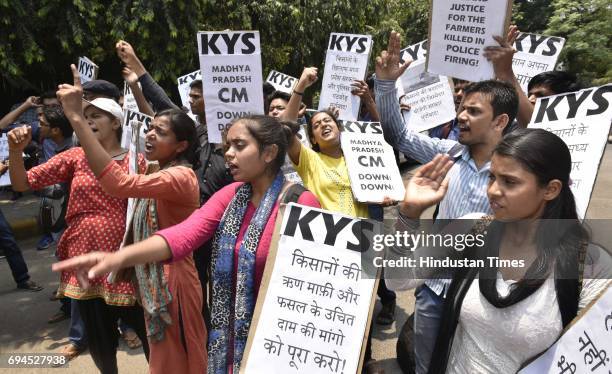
298 93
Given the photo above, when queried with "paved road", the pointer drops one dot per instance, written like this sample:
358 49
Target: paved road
23 315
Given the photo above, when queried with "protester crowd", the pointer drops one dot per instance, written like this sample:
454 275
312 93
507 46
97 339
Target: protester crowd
185 283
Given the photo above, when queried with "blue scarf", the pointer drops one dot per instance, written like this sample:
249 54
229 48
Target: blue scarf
224 313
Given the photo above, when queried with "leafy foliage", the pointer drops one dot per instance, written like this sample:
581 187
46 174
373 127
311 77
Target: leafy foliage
587 27
39 39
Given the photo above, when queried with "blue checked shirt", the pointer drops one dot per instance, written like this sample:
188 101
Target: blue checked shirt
467 189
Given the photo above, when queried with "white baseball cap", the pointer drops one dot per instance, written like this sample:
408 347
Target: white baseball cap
108 105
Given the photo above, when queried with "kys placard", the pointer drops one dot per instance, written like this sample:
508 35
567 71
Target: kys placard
535 54
230 64
315 298
346 61
373 171
582 119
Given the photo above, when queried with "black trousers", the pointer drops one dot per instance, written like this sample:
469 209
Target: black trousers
101 325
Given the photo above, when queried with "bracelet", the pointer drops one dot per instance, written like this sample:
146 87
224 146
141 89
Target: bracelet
298 93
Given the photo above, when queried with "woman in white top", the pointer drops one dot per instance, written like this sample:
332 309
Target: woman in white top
498 319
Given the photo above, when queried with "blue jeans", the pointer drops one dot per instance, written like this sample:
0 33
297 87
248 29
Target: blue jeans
19 269
76 333
428 309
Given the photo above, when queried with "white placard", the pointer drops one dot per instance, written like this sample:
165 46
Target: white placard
135 149
281 82
129 102
88 71
459 31
346 61
4 147
312 316
183 88
535 54
230 63
585 348
415 52
288 170
5 179
418 54
373 173
430 97
582 119
134 120
430 106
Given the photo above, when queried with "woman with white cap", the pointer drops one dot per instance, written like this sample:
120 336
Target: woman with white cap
96 222
166 195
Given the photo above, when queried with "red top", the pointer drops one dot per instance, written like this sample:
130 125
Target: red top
95 220
200 227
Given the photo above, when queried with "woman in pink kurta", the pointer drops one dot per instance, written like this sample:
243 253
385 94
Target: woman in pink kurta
170 294
200 227
241 218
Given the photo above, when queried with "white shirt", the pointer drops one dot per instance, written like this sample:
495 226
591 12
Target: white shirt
501 340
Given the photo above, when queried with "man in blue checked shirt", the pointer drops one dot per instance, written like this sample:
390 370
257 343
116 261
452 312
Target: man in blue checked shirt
488 108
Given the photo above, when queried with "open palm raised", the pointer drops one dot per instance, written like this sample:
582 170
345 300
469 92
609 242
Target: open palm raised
427 187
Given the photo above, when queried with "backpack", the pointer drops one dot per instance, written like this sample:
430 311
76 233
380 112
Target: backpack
53 207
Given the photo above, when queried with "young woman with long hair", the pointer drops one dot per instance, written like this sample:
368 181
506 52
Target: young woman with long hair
240 218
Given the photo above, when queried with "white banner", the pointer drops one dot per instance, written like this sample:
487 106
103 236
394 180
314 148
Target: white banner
535 54
373 173
129 102
582 119
415 52
312 314
183 88
459 31
5 179
88 71
288 170
230 63
429 96
346 61
418 54
134 120
4 147
585 348
281 82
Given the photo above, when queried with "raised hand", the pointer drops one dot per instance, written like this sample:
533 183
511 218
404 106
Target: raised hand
90 266
126 54
360 88
427 187
129 76
307 79
19 138
501 56
33 102
388 65
335 111
71 96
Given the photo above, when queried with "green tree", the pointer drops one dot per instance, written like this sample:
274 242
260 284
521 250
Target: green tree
587 27
532 15
39 39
